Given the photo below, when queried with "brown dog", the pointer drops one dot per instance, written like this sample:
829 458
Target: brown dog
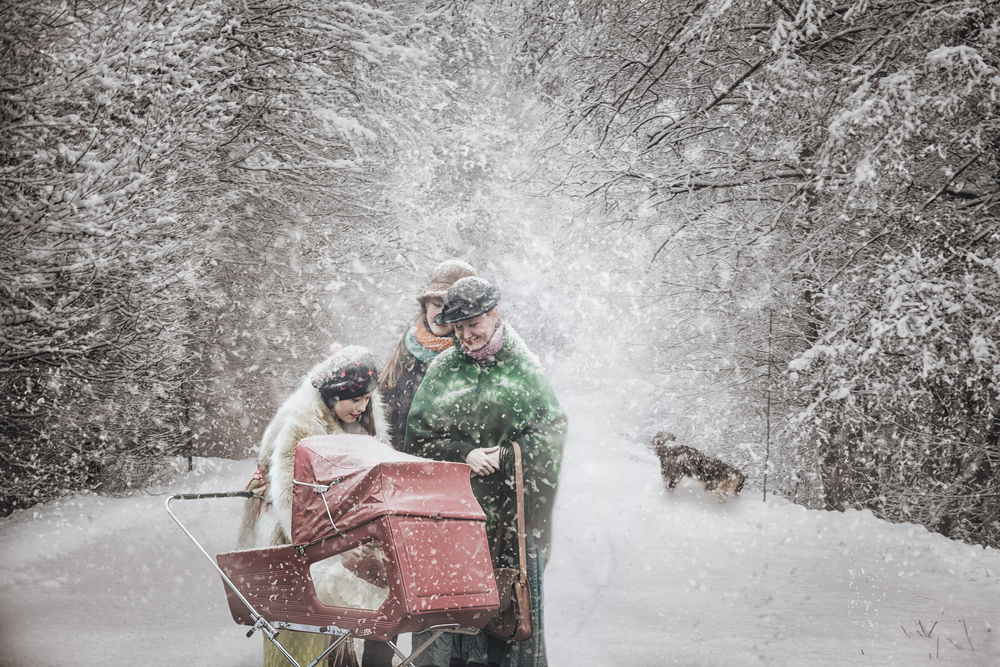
677 461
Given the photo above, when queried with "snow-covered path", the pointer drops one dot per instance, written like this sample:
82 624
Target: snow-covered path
637 578
105 581
640 576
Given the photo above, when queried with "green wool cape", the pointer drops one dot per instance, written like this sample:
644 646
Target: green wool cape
462 405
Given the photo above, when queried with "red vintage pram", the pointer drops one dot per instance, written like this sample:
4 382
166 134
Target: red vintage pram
382 544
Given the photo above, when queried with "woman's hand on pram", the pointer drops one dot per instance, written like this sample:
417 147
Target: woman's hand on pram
484 461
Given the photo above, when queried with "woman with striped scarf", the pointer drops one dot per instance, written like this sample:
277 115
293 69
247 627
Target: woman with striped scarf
398 381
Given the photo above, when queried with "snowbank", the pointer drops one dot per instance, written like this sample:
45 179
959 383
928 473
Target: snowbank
638 576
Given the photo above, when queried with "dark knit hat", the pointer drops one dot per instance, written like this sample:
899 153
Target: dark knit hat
349 373
468 297
443 277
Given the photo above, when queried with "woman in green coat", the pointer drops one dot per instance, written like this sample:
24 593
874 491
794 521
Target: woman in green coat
476 397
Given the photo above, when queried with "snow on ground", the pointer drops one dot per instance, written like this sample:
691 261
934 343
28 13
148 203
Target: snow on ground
113 581
638 577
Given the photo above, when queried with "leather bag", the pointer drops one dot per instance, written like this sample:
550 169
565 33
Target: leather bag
513 621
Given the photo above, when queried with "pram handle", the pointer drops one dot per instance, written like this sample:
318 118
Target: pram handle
218 494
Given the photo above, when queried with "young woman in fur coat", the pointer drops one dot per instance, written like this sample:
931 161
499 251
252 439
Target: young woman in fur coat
339 395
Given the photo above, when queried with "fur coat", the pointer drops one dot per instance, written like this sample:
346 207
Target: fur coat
303 414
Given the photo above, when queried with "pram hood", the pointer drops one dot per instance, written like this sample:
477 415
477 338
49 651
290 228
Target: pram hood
344 481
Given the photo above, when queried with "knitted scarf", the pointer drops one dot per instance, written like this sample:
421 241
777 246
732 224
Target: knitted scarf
423 344
486 352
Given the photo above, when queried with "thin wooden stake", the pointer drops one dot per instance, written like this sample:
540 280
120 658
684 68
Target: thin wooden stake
904 631
767 447
967 635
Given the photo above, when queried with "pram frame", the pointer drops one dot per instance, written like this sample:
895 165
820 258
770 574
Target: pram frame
271 630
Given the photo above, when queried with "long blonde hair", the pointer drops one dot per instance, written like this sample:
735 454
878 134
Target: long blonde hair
393 370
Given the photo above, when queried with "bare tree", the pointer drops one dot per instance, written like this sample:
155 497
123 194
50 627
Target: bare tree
141 141
834 165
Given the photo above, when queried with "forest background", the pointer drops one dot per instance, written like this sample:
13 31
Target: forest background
777 218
